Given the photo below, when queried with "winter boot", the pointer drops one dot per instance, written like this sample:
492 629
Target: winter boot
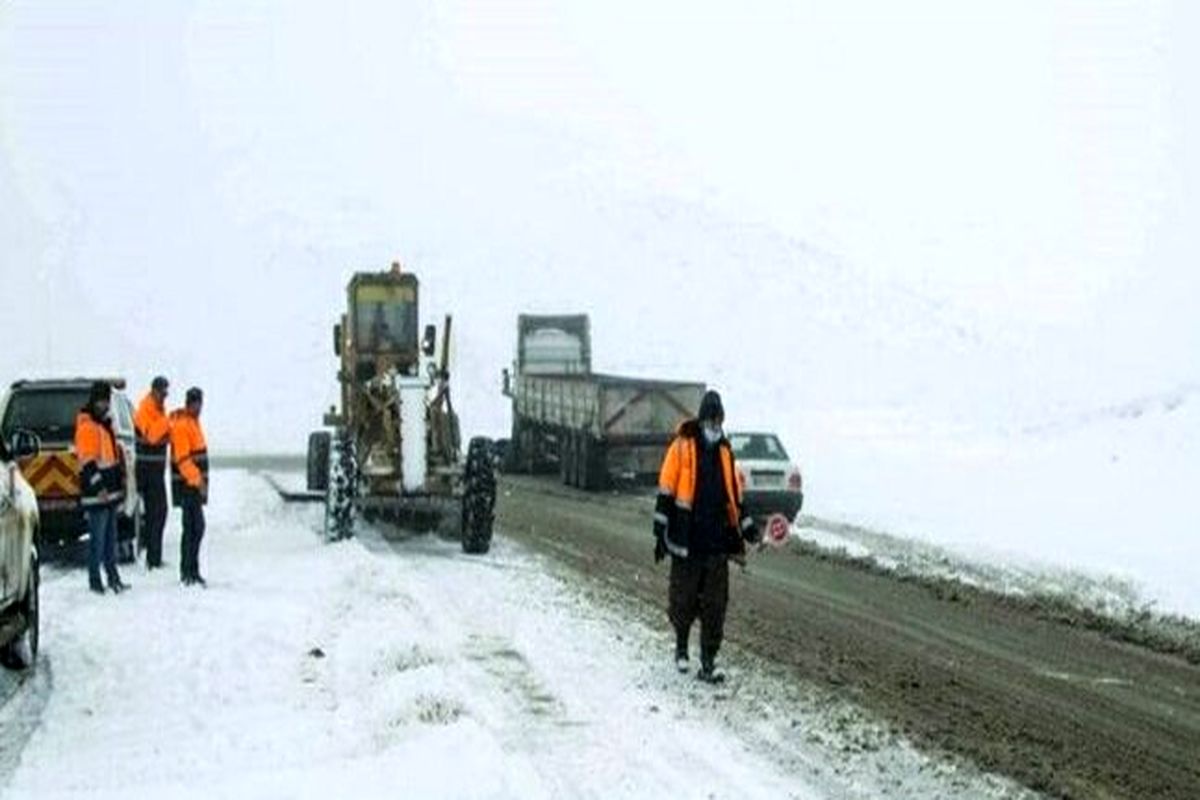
710 674
681 651
708 668
115 584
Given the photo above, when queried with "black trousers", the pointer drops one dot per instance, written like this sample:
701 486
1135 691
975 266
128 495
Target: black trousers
699 587
193 534
153 487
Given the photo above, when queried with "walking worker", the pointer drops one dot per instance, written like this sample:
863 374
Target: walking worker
189 482
700 522
153 435
101 485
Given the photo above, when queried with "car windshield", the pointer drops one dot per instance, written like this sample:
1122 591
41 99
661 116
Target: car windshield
757 447
48 413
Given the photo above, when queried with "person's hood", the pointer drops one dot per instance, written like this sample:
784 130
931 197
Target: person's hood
691 429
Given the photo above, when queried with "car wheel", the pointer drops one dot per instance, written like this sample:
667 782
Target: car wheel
22 652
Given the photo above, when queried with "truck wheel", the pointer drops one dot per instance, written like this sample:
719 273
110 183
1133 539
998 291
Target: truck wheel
582 454
528 453
341 489
525 457
479 498
595 465
565 457
600 465
513 461
319 443
21 653
580 461
521 454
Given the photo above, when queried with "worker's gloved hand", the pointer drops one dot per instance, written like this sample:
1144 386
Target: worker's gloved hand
660 548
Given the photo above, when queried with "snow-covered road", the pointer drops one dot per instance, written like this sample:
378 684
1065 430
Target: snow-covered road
314 670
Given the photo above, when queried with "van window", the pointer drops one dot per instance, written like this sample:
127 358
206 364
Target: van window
50 413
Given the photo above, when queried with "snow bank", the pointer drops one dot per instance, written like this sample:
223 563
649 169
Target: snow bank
1106 494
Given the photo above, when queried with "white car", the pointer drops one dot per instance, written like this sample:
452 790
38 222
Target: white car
771 482
19 579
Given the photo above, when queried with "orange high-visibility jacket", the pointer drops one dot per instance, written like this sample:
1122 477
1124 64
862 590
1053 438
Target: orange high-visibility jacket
189 454
153 432
100 465
677 490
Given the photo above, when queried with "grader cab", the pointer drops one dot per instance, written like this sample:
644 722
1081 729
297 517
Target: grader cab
392 450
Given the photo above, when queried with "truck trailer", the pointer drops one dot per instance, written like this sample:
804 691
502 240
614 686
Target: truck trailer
595 430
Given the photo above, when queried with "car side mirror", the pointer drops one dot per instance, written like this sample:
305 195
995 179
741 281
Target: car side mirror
429 341
24 444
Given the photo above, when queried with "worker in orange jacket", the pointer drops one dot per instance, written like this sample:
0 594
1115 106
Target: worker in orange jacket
153 429
700 521
189 482
101 485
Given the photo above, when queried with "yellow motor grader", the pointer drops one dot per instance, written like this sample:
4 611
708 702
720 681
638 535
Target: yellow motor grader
392 451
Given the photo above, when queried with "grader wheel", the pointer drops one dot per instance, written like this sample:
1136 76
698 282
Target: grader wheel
479 497
341 489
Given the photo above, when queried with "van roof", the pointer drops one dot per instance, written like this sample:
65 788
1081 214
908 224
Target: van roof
66 383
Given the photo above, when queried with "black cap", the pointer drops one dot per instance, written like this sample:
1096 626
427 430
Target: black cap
711 407
100 390
194 395
160 384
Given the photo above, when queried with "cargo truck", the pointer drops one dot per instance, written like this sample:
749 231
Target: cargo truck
596 430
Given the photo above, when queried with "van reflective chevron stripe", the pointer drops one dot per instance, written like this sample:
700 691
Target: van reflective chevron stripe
52 475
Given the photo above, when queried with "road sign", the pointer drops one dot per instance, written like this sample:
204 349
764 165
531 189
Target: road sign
778 529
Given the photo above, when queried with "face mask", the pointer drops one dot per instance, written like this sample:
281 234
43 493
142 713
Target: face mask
712 433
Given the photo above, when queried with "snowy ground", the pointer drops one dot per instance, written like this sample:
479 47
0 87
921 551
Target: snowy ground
311 670
1094 505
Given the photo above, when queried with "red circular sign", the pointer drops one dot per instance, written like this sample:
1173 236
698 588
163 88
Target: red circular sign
778 529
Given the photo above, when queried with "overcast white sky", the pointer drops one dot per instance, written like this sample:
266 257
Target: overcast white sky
840 203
